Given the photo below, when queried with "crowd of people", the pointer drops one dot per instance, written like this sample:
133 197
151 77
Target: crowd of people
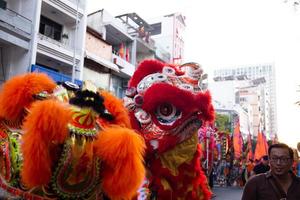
281 162
276 180
236 172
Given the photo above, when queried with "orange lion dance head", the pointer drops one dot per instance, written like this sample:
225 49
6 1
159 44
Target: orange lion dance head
17 94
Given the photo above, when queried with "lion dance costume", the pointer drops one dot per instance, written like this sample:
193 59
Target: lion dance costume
53 147
167 106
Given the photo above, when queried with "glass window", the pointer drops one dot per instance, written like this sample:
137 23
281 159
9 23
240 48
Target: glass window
156 29
50 28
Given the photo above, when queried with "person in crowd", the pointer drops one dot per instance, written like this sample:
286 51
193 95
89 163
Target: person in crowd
250 167
295 163
278 183
228 168
262 167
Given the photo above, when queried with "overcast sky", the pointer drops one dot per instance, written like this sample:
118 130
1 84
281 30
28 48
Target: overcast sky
226 33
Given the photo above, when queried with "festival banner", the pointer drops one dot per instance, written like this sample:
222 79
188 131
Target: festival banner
237 141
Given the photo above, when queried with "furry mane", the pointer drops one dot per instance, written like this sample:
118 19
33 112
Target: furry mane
145 68
17 93
116 107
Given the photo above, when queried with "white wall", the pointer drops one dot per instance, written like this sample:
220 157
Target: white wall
226 96
99 79
165 39
16 61
23 7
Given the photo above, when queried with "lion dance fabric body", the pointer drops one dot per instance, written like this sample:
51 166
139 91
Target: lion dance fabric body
53 147
167 106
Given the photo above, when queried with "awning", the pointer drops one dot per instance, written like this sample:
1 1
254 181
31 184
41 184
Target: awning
101 61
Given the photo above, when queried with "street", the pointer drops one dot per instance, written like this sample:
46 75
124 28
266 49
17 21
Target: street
227 193
222 193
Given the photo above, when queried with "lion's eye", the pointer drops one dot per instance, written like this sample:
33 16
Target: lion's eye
167 114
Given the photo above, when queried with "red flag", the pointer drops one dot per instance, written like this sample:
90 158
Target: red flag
249 148
237 141
265 142
121 50
261 148
127 55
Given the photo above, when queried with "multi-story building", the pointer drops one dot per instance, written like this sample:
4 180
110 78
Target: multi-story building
123 49
226 100
98 65
249 98
129 37
168 32
267 93
50 36
43 35
235 113
16 35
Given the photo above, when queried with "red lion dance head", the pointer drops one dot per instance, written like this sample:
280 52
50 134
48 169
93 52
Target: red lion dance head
167 106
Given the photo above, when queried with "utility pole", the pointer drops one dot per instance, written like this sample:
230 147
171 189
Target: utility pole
74 46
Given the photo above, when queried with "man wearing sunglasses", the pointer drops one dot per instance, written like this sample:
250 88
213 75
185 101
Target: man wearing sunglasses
279 183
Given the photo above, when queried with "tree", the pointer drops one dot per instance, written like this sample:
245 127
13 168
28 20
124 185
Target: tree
223 122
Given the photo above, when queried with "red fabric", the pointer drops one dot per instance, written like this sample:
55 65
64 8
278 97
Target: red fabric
202 102
261 148
178 190
249 148
121 50
145 68
237 141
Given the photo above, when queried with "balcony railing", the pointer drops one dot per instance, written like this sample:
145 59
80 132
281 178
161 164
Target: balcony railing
125 66
58 49
109 19
55 42
67 6
16 20
81 3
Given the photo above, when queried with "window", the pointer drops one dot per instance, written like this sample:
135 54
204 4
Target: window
50 28
156 29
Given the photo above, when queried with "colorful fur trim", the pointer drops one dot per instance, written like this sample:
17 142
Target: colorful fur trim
121 150
45 127
17 93
116 107
201 101
168 105
145 68
190 182
204 102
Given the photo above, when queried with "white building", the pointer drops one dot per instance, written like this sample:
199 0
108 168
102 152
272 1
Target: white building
267 93
168 33
226 100
249 98
129 36
42 35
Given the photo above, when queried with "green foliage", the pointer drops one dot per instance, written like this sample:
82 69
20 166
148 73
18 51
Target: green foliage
15 157
223 123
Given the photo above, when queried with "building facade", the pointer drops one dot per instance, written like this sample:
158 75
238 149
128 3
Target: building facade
168 32
43 35
227 101
16 37
263 75
57 37
130 39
